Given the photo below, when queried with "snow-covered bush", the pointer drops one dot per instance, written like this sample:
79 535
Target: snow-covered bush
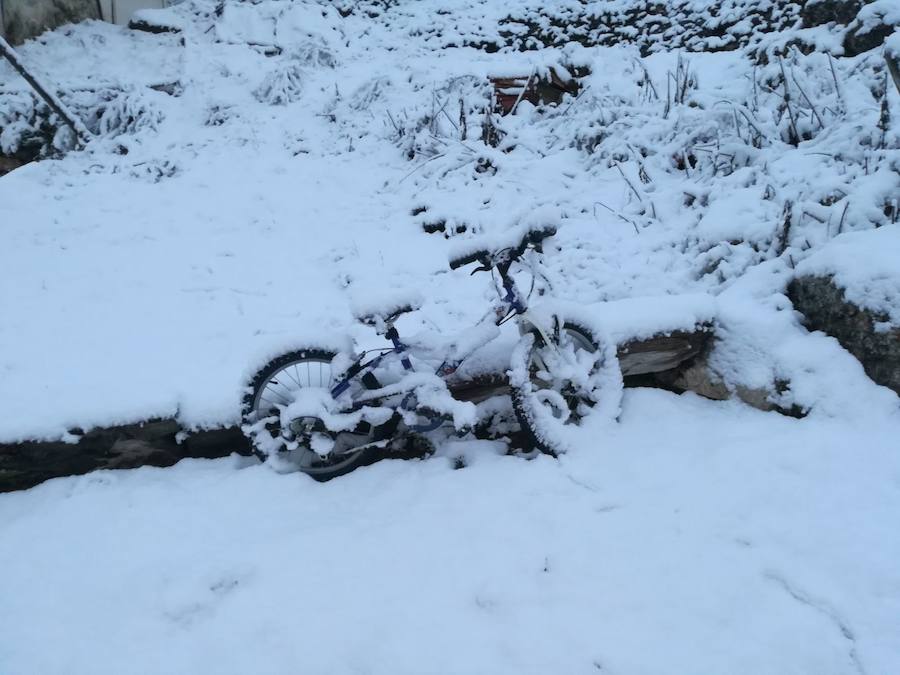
18 122
456 111
128 112
314 54
283 85
29 130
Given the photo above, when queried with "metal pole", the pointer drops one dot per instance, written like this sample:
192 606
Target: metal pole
893 63
82 135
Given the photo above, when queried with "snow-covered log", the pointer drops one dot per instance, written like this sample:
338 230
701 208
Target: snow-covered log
150 443
82 135
163 442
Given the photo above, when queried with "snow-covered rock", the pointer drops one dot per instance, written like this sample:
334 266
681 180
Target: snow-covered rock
851 289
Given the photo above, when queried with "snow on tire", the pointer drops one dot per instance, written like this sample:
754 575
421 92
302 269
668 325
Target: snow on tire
560 387
275 388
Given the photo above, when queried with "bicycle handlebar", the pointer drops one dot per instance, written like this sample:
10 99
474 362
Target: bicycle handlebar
532 238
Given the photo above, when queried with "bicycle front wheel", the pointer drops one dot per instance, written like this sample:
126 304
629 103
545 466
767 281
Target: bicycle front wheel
557 385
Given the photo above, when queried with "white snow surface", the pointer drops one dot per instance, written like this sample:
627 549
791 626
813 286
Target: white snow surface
692 537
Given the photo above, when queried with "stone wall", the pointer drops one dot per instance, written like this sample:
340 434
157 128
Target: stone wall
664 25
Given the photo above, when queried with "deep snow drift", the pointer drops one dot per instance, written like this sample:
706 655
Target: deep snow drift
253 206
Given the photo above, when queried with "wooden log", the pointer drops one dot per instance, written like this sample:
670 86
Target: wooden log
659 353
152 443
82 135
662 352
893 62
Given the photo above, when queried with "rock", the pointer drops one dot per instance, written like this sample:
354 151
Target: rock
874 23
868 335
861 37
698 377
7 164
651 26
679 361
819 12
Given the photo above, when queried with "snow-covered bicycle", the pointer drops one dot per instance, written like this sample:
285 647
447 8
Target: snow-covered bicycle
325 412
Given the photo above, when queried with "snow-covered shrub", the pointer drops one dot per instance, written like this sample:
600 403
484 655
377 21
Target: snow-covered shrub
217 115
305 29
283 85
420 117
128 112
29 130
314 25
458 110
17 121
314 54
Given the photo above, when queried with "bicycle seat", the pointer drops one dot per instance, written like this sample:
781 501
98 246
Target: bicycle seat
377 312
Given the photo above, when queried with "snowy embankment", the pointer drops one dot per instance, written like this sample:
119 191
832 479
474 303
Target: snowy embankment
251 207
248 210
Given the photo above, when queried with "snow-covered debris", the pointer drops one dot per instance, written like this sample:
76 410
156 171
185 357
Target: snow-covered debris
163 20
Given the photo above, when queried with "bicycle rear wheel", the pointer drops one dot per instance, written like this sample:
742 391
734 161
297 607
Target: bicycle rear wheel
303 444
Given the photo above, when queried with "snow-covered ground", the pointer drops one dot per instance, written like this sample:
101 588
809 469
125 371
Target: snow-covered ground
203 233
694 537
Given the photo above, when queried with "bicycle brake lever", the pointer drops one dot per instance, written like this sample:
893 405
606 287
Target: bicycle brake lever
482 268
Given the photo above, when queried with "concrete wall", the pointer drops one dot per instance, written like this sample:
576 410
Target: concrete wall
24 19
119 11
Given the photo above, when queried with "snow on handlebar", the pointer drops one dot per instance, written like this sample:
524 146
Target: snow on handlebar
487 256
